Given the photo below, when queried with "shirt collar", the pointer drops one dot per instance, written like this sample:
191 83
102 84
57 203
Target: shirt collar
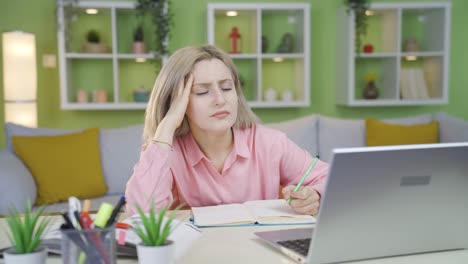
195 155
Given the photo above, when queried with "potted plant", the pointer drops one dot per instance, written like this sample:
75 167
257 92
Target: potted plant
93 42
138 43
359 7
162 19
25 236
154 231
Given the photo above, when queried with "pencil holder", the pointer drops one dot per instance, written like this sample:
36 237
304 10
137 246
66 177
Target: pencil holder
90 246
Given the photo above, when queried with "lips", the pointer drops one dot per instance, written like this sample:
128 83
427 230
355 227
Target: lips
220 114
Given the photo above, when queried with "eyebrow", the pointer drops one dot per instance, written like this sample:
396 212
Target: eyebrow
207 84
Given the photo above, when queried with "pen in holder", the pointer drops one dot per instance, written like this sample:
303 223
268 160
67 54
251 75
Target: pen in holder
98 246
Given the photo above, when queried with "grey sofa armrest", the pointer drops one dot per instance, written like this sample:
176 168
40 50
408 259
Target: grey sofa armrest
16 183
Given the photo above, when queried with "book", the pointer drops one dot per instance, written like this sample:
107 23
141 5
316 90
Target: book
260 212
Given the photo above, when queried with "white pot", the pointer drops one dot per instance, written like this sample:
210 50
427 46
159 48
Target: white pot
37 257
160 254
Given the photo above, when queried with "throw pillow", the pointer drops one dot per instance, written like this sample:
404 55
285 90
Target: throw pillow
302 131
382 134
16 183
120 151
64 165
348 133
12 129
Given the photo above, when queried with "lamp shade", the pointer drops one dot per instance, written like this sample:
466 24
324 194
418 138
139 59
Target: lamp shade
19 77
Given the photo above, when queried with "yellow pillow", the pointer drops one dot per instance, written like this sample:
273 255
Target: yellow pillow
64 165
381 134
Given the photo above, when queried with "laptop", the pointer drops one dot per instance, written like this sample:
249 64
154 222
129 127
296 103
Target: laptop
386 201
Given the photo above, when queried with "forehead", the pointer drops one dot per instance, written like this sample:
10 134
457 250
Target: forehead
210 70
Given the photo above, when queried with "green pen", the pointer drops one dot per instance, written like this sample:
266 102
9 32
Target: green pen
304 177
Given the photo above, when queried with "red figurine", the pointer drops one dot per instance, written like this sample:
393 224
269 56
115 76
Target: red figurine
235 35
368 48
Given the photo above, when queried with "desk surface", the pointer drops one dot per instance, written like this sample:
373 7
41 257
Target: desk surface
239 245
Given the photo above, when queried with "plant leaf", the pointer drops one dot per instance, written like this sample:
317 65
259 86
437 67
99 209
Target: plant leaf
145 222
142 235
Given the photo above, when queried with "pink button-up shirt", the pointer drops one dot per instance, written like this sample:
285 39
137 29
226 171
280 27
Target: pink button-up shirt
261 160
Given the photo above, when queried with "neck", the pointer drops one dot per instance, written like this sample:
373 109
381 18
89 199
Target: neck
214 145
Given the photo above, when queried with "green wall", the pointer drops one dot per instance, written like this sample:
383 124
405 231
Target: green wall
190 28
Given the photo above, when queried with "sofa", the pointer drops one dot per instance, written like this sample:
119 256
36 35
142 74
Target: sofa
119 150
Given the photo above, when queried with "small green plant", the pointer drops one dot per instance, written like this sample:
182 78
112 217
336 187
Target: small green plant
138 33
154 230
93 36
26 233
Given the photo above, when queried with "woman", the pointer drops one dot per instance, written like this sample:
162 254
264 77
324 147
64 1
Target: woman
204 146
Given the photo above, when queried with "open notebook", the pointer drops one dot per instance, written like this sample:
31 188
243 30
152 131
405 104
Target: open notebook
262 212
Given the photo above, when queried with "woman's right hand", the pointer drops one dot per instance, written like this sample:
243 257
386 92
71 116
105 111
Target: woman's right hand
176 113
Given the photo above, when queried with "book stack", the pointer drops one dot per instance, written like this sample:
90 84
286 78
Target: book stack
413 84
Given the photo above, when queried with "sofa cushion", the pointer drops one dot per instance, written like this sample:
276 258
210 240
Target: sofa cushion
19 130
63 165
302 131
348 133
16 183
380 133
120 151
451 129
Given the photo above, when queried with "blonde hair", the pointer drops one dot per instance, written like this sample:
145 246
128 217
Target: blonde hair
176 69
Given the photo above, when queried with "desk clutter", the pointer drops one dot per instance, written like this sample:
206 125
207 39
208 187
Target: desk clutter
86 238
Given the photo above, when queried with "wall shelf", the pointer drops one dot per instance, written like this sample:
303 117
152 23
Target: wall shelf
286 73
116 70
410 56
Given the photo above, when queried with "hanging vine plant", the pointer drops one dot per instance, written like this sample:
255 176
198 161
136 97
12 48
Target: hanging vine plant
70 14
161 16
359 7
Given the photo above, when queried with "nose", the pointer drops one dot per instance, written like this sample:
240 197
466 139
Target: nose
218 96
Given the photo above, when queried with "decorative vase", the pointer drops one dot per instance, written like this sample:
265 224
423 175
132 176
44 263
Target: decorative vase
411 45
37 257
270 95
94 47
100 96
82 96
159 254
371 92
141 95
287 43
138 47
287 95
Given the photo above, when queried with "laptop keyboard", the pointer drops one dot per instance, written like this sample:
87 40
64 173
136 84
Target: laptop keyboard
299 245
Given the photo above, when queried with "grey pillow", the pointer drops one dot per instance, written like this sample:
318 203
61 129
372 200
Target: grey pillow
120 150
16 183
18 130
348 133
451 129
302 131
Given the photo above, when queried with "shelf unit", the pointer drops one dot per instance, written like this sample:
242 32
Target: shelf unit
406 75
118 70
286 73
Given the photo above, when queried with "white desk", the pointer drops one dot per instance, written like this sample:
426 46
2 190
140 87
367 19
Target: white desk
239 245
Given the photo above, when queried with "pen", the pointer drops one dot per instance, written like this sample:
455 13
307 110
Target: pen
116 211
304 177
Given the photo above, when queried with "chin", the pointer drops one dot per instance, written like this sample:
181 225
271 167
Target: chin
220 126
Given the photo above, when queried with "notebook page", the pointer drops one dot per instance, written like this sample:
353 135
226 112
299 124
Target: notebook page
228 214
276 211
